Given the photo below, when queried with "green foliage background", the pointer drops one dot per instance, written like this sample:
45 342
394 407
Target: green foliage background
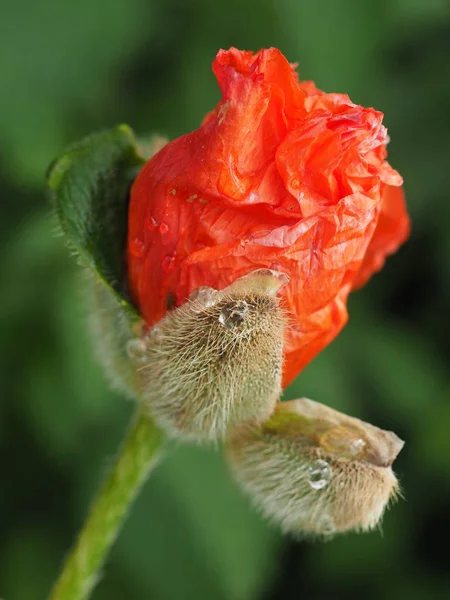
69 68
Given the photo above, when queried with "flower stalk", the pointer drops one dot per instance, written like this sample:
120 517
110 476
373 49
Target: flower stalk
138 455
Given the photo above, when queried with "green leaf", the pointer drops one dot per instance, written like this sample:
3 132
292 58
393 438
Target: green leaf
90 185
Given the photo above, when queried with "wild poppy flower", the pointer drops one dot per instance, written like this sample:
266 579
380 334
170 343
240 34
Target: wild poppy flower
280 175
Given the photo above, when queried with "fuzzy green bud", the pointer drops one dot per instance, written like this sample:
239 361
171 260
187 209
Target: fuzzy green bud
314 470
215 362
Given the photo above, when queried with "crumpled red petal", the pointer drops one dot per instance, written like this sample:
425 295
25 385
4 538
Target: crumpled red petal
280 175
392 230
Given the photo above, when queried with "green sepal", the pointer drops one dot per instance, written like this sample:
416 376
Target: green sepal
89 185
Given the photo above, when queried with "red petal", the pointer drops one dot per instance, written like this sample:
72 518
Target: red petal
392 229
280 176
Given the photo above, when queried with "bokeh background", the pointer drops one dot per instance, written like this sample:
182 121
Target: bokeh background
69 68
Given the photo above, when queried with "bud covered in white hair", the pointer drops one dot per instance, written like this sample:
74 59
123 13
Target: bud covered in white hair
314 470
215 362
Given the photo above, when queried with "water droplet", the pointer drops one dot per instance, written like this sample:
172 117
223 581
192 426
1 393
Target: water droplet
319 474
204 297
357 446
326 525
233 313
154 331
163 228
137 248
173 191
168 263
137 350
344 441
191 198
152 335
151 223
295 183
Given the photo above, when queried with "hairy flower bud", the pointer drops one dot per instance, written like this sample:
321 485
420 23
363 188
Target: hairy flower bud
314 470
215 362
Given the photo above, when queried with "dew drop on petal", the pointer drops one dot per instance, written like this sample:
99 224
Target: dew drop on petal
137 248
168 263
151 223
163 228
319 474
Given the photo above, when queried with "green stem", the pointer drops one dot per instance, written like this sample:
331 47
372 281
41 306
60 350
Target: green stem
139 453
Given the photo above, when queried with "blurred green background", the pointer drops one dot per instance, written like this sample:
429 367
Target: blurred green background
69 68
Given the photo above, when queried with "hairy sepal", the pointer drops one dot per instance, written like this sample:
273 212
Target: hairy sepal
216 362
315 471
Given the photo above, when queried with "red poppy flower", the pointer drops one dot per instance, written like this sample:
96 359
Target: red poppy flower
280 175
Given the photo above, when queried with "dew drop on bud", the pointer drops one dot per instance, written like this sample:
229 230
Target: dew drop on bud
326 525
319 474
154 332
233 313
346 440
357 446
204 297
137 350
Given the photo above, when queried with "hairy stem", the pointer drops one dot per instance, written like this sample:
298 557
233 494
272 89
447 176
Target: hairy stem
139 453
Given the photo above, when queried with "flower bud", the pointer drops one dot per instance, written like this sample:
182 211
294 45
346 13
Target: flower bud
314 470
216 362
